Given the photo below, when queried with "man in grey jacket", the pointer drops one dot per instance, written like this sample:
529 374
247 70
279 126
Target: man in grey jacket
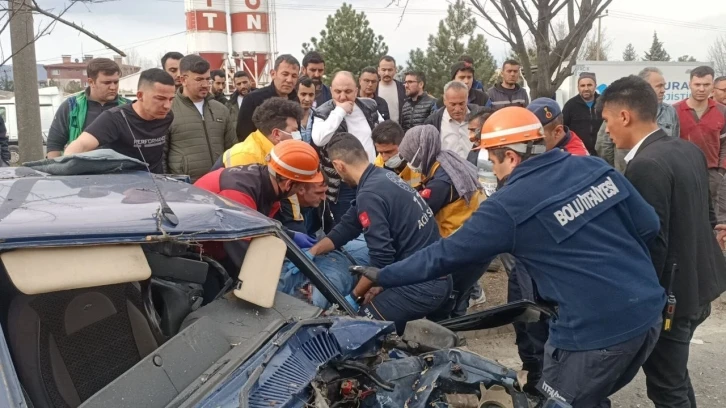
508 92
202 128
667 120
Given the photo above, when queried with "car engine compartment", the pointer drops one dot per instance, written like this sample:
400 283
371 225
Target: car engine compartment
345 362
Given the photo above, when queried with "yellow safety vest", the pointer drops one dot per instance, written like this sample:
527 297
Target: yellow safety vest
409 176
453 215
254 150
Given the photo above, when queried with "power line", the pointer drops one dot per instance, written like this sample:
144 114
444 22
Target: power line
125 47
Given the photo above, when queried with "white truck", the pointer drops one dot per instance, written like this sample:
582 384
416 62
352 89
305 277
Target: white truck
677 76
50 99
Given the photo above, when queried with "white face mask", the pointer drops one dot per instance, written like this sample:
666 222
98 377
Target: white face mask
410 165
296 135
394 162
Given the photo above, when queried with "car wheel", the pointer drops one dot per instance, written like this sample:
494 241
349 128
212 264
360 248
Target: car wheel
14 155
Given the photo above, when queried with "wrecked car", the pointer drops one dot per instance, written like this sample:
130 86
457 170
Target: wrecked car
107 300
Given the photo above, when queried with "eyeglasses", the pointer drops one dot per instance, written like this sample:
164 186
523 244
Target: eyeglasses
411 82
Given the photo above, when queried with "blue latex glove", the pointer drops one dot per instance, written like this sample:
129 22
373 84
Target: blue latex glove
352 302
304 241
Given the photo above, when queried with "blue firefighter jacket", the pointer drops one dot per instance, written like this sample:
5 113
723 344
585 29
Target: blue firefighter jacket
394 219
580 229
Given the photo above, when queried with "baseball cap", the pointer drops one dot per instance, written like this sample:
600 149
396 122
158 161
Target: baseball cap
546 109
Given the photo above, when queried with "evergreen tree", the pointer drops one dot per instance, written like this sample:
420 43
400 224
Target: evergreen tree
629 54
687 58
445 48
347 43
657 52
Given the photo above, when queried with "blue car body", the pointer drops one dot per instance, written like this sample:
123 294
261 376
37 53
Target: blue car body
276 356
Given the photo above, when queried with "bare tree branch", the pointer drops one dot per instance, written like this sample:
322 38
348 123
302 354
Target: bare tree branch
43 30
71 24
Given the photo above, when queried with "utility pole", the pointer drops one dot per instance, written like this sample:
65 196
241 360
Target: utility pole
25 77
599 35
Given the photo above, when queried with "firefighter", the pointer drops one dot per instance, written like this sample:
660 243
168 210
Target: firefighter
567 219
291 165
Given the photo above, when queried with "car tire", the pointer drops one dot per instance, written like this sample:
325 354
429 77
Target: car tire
14 155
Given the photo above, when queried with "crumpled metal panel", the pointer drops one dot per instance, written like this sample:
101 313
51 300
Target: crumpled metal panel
41 210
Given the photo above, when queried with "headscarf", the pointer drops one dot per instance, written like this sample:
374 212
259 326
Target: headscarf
426 138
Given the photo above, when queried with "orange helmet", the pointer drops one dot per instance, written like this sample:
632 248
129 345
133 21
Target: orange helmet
295 160
509 127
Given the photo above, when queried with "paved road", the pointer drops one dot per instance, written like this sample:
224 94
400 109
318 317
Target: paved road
707 367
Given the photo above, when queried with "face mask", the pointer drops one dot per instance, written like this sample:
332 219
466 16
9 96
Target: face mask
394 162
417 169
295 135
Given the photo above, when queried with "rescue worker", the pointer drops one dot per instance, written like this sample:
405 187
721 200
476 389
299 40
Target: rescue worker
531 337
276 120
291 165
451 188
450 184
396 222
386 137
556 134
566 218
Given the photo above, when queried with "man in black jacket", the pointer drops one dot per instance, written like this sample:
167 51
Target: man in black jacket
419 105
284 78
464 73
579 113
670 173
368 83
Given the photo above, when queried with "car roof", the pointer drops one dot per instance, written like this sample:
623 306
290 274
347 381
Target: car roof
37 209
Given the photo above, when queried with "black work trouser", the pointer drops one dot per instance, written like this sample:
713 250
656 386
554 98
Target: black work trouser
529 337
585 379
666 370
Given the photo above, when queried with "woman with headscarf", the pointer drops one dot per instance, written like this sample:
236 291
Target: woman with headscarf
449 185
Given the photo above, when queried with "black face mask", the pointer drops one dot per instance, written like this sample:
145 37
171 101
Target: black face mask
502 182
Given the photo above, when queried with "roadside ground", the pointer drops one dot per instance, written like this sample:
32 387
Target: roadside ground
708 352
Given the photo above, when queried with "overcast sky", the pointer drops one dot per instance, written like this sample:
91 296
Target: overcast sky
153 27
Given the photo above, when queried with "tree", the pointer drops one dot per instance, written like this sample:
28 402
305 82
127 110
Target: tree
73 87
445 48
657 52
555 60
687 58
347 42
6 84
589 51
135 59
46 27
717 54
629 54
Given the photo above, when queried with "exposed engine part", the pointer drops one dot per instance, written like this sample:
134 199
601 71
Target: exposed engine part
363 369
462 400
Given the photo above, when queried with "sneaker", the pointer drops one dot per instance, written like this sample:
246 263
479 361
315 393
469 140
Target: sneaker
478 301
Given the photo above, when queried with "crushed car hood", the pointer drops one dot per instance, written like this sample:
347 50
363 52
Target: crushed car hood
313 359
113 208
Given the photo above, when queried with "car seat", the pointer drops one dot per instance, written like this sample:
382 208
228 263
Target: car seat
68 345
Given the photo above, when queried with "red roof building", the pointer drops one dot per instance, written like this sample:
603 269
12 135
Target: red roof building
67 72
